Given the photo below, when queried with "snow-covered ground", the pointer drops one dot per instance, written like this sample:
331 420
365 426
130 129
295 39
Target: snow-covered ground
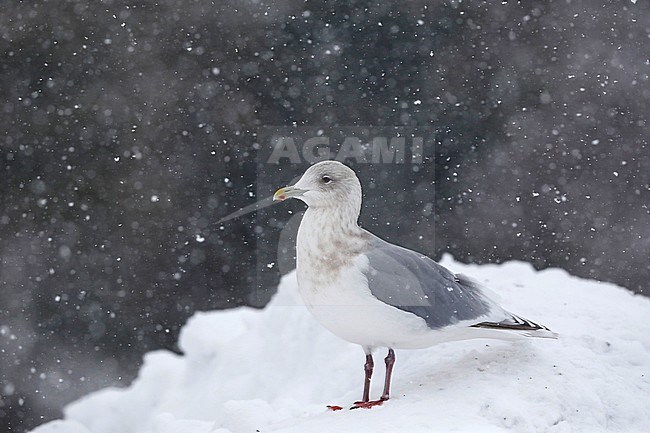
276 369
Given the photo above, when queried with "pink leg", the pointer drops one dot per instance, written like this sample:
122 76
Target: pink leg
365 402
368 367
390 361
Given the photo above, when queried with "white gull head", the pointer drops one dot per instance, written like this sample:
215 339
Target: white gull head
328 185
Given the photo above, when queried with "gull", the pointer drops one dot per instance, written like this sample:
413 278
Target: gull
376 294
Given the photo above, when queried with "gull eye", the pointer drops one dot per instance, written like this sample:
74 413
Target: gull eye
326 179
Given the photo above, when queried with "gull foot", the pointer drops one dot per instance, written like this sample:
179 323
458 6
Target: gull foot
334 407
367 404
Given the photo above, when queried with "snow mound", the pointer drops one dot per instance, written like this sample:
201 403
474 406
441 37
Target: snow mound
276 369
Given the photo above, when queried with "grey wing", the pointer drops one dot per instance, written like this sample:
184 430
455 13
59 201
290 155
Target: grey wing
414 283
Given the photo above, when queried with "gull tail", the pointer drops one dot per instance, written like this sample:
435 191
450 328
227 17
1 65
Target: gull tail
520 325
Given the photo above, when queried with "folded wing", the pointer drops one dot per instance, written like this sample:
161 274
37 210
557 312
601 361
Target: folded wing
412 282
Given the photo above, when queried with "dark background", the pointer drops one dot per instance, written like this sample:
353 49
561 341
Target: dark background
128 128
